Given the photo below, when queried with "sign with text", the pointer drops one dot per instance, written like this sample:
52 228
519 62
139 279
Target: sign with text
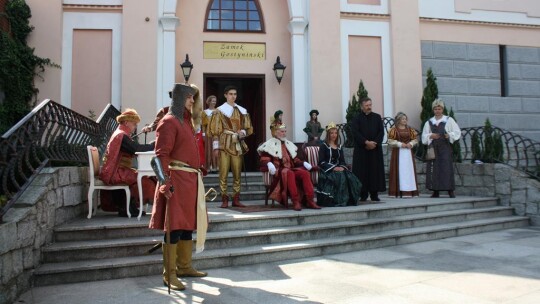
234 50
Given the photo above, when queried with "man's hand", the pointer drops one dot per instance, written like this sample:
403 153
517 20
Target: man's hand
370 145
166 189
271 168
339 169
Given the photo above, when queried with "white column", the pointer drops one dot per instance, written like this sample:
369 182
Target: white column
297 28
168 22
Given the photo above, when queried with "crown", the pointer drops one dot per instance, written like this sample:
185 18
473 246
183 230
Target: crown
331 125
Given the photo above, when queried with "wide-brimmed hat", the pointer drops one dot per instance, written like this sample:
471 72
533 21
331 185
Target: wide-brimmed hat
313 111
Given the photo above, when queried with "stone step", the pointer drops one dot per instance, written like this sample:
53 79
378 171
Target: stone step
114 268
108 226
121 247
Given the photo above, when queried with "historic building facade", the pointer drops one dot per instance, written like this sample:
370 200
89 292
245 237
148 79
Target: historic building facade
485 54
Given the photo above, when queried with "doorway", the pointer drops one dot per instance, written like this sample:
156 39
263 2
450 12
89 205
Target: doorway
251 95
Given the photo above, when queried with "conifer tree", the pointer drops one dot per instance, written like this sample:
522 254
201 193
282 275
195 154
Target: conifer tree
352 110
456 146
492 144
431 92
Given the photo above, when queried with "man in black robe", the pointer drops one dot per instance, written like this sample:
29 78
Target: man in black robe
368 164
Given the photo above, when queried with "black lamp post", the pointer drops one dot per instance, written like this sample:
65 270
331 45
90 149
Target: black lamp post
279 69
186 68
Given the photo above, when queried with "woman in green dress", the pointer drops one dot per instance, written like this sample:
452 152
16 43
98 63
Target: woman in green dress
337 186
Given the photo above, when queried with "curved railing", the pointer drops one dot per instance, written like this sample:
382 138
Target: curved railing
518 151
49 134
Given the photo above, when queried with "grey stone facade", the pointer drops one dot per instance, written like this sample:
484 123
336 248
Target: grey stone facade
469 81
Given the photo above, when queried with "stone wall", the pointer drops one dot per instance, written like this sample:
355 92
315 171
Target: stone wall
511 186
56 196
469 81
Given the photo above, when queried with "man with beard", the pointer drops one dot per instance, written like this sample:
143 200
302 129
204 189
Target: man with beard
291 174
368 164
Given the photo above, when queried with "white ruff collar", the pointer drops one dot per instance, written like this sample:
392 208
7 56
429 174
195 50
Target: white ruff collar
227 109
273 147
209 112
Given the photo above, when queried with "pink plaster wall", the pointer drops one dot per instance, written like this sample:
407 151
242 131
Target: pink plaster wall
406 59
529 7
365 63
139 57
47 41
91 71
368 2
325 62
190 36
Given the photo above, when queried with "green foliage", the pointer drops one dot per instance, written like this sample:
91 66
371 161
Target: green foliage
92 114
18 66
456 146
354 105
475 146
493 147
352 110
431 92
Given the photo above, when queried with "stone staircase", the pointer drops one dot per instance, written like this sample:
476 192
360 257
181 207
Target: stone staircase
107 247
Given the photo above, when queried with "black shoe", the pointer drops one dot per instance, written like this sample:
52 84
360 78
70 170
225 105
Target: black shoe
363 199
375 199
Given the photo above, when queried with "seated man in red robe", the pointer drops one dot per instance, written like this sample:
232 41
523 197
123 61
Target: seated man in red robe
291 175
117 162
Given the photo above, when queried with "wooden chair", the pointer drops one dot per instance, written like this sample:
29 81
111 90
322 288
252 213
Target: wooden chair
98 184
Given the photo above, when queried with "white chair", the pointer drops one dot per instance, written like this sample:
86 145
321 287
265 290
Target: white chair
97 184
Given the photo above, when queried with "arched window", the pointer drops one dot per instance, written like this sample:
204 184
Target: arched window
234 16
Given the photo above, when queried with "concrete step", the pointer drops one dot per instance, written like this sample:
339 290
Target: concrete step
113 268
122 247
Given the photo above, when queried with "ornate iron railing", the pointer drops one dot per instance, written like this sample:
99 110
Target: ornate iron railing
518 151
50 134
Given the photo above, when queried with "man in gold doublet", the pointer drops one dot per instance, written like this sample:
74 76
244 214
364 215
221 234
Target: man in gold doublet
231 124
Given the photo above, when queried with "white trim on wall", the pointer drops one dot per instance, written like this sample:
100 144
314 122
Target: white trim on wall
107 21
166 51
445 9
93 2
364 8
372 29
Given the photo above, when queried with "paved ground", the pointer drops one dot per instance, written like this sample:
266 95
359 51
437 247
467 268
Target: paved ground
493 267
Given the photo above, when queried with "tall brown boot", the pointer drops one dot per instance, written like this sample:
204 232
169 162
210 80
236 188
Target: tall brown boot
224 201
311 203
236 201
169 267
183 260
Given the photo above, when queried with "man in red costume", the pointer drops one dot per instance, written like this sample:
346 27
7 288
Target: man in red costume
118 159
184 208
291 175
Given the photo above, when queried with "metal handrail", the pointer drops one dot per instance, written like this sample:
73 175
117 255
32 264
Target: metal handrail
51 134
519 152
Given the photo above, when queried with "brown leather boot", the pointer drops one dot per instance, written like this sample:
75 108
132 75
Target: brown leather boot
311 203
451 194
435 193
236 201
224 201
297 206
